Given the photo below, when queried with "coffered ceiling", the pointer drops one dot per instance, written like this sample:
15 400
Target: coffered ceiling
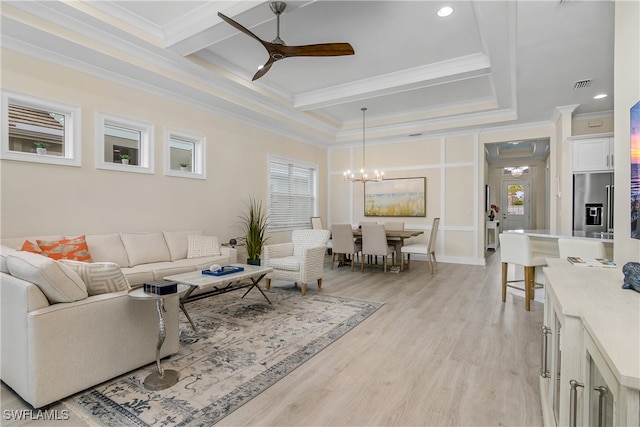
490 63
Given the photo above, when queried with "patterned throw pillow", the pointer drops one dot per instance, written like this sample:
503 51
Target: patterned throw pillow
99 277
202 246
29 246
75 249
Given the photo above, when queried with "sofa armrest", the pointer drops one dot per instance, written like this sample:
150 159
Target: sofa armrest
231 253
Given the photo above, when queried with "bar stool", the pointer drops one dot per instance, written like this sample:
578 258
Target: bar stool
515 248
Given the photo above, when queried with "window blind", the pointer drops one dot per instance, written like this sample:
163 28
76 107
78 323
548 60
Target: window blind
292 194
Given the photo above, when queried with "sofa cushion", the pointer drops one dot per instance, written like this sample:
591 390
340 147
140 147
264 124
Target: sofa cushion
57 281
99 277
74 248
202 246
107 248
288 263
143 248
5 251
178 242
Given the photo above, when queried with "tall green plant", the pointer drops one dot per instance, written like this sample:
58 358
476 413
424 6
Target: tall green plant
254 224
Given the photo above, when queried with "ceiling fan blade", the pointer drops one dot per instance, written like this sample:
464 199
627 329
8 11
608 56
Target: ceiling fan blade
324 49
239 27
262 71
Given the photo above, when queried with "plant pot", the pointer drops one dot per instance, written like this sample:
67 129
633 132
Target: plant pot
491 216
253 261
125 161
41 151
183 168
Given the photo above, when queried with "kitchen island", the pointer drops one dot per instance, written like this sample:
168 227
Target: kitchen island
547 242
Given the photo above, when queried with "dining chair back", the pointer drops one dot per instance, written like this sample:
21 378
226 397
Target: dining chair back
420 248
581 248
343 243
316 223
515 248
374 243
394 225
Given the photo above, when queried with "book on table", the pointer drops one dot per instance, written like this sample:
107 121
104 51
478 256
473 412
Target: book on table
591 262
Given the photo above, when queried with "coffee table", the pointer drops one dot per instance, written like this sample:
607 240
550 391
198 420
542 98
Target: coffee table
164 378
216 285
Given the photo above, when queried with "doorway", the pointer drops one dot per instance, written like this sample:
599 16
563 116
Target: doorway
515 196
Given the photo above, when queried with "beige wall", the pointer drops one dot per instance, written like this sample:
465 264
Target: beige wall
627 93
47 199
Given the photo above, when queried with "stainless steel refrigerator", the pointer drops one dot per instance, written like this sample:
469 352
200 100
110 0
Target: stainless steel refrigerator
593 202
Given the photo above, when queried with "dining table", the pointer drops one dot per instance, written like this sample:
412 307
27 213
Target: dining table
395 238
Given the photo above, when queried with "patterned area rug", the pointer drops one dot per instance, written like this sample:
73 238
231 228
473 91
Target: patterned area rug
242 347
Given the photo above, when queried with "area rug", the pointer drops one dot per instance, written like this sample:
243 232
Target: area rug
242 347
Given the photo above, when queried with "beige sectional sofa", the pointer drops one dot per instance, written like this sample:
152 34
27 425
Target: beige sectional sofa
58 340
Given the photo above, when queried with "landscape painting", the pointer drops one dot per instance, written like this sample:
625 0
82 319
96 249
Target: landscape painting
635 171
396 197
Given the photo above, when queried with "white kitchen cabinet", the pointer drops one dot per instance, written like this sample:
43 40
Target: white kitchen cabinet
593 154
592 374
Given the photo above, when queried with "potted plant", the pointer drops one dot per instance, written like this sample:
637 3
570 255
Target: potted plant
491 214
41 147
125 159
254 224
183 167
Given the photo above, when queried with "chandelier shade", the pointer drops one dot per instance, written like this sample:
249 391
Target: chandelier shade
363 176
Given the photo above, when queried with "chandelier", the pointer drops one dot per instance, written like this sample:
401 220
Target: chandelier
517 171
364 176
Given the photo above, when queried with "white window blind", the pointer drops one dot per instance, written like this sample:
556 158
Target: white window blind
292 194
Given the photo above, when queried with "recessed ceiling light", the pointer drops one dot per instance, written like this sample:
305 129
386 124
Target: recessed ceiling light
600 96
445 11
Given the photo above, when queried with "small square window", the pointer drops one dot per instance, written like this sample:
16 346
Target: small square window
124 144
40 131
184 154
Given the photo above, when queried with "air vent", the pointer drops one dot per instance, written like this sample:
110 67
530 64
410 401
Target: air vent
581 84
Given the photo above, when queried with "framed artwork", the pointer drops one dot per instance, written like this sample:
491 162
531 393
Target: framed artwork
396 197
635 171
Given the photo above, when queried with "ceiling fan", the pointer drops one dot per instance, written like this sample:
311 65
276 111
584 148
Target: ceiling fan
278 50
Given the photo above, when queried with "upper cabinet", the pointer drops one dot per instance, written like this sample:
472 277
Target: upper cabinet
593 154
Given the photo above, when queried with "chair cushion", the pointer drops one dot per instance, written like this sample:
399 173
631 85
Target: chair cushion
289 263
99 277
58 282
415 248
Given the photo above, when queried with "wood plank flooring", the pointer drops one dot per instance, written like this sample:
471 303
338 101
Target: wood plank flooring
443 351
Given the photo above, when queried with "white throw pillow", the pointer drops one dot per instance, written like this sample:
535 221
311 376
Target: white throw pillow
58 282
202 246
99 277
178 242
5 251
144 248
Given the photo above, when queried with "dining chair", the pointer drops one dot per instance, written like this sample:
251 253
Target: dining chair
420 248
316 223
515 248
394 225
344 243
374 243
581 248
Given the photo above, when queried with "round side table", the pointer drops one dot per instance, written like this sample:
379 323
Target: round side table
164 378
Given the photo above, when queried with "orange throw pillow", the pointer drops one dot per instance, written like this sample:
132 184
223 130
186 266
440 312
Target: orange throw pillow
74 249
29 246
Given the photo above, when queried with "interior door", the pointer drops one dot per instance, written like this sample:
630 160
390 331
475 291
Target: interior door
515 206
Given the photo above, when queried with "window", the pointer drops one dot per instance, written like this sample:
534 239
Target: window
40 131
292 193
124 144
184 154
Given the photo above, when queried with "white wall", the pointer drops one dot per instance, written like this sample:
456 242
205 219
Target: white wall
627 93
48 199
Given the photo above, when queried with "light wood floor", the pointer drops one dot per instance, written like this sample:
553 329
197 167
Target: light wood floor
443 351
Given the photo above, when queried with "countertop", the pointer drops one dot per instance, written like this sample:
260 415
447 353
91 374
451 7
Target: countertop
600 237
610 314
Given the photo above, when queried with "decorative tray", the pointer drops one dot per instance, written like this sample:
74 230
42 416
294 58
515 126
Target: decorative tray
228 269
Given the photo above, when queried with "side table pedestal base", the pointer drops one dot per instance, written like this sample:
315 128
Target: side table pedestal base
155 381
